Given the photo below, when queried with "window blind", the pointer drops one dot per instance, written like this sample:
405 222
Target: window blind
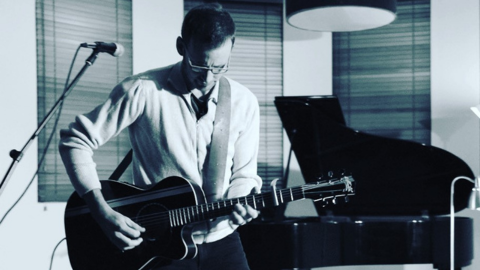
256 62
62 25
382 76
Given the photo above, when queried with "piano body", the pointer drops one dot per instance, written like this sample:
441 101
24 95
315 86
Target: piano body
398 215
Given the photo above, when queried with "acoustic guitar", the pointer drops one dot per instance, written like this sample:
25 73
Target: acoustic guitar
167 211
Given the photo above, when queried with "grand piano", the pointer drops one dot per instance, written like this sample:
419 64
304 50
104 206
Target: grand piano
398 215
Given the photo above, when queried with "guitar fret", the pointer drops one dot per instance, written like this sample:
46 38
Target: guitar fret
198 213
175 218
196 217
207 210
180 217
183 216
186 216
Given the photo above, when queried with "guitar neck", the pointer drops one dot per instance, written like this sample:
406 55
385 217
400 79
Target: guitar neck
322 190
187 215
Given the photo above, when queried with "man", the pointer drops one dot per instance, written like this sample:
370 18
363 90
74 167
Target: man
170 113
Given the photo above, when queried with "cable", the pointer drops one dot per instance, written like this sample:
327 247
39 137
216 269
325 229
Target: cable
45 150
53 253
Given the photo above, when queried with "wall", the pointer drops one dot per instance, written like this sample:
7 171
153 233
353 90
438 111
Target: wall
455 86
152 49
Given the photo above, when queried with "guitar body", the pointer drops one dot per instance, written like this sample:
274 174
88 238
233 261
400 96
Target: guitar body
89 248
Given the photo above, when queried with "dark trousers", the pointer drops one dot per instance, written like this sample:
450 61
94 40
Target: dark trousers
224 254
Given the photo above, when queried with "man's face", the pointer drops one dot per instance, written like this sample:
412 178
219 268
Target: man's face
203 66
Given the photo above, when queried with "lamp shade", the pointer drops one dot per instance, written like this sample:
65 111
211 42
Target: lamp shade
474 202
341 15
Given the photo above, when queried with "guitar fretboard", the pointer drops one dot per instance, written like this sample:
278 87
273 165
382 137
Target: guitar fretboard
186 215
324 190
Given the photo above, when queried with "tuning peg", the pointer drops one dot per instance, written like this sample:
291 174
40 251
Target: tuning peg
324 202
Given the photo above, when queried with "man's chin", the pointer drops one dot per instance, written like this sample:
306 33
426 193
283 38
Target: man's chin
205 87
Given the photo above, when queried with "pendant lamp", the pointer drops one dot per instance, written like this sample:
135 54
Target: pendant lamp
341 15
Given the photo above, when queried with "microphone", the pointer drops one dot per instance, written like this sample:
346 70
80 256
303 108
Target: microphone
114 49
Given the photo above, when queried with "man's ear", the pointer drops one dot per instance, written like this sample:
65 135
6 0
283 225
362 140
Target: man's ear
180 46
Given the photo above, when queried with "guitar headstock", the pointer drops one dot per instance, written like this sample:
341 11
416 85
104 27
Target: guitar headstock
330 190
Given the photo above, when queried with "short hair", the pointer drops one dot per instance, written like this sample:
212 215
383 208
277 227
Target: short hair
208 24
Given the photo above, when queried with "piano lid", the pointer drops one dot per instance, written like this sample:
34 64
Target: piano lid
392 176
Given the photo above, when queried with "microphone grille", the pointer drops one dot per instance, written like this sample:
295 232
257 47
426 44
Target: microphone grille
119 51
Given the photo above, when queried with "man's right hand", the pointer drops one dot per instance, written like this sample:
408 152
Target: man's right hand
121 230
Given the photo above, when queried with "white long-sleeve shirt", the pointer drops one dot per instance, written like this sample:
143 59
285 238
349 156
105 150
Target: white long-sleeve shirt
166 137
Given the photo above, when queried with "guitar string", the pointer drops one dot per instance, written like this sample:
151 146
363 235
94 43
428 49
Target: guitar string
293 190
186 216
196 213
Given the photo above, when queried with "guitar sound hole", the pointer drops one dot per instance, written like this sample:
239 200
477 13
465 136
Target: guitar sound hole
154 218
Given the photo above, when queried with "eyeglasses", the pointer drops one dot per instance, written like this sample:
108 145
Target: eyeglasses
214 70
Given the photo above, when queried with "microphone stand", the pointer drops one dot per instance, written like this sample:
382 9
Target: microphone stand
17 155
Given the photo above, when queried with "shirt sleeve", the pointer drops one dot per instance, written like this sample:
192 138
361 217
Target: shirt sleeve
91 130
